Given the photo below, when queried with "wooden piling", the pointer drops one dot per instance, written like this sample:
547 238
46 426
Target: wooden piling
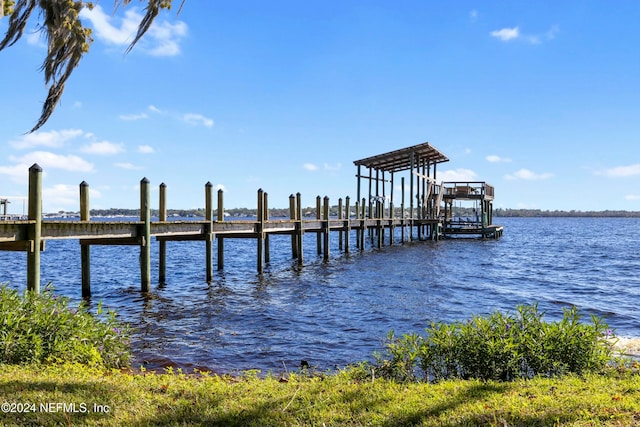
299 231
220 238
35 230
265 216
326 227
319 217
260 231
358 229
411 195
379 229
85 250
208 198
145 235
402 230
347 223
162 214
340 233
292 216
391 226
362 224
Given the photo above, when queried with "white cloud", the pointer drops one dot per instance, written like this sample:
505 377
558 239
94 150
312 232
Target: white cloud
64 196
155 109
459 174
35 38
103 148
473 15
528 175
57 161
133 117
128 166
19 172
104 25
497 159
145 149
335 167
310 167
52 139
167 37
621 171
195 119
632 197
162 39
506 34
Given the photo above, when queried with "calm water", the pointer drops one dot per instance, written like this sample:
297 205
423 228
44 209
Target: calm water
335 313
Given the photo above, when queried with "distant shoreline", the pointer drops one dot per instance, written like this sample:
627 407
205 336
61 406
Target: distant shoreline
310 211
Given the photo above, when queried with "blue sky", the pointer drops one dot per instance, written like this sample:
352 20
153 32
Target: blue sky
540 99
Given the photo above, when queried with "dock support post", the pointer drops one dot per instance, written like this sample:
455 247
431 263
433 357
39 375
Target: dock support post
220 238
145 244
340 233
370 210
299 230
260 232
85 250
379 227
363 227
358 228
347 224
265 216
162 214
402 231
419 212
392 214
35 230
319 218
292 216
327 228
412 165
208 202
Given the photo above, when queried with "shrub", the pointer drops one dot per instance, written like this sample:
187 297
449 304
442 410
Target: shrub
43 328
500 347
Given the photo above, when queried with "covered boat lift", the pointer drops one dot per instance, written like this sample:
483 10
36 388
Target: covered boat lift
421 162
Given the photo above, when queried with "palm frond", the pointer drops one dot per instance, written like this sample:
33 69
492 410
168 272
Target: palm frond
68 40
21 13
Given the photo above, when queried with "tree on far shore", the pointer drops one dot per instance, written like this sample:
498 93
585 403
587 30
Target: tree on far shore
67 39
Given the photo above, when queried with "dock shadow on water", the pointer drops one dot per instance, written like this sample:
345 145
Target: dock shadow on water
338 312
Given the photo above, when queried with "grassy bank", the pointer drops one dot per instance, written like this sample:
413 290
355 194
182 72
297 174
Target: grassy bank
61 365
78 395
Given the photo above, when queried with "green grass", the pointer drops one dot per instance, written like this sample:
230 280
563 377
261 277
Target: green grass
58 366
338 399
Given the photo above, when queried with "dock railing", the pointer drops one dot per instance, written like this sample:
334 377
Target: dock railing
468 190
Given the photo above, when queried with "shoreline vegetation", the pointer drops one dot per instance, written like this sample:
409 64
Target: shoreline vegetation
333 211
513 369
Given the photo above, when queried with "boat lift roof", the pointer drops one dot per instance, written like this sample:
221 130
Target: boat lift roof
399 160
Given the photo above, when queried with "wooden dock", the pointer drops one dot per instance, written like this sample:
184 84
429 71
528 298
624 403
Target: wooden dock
372 218
30 235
